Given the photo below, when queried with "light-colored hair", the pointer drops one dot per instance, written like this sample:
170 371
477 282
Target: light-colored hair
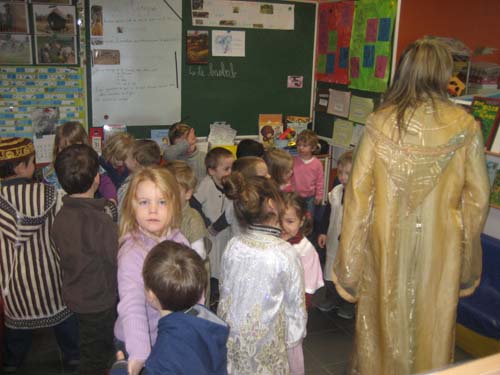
178 130
146 152
423 73
117 147
183 173
68 134
166 183
279 162
310 138
247 165
345 159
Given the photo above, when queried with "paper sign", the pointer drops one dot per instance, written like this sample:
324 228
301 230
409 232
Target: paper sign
44 147
342 133
360 109
357 133
380 66
330 63
338 103
332 41
368 56
371 30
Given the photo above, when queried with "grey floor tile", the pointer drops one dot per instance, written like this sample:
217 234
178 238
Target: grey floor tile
329 347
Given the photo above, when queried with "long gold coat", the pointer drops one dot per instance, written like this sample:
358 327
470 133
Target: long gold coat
410 241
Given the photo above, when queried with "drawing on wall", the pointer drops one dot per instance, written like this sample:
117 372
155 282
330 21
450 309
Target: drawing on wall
45 121
13 17
228 43
16 49
50 19
197 47
55 49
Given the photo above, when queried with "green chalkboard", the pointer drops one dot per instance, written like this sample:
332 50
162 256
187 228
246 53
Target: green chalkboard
254 84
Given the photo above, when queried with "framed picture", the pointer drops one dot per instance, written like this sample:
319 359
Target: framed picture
56 49
487 112
16 49
197 47
54 19
13 17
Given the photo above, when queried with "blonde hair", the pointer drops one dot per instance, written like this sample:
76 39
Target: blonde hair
168 186
183 173
117 147
309 138
178 130
423 73
68 134
247 165
279 162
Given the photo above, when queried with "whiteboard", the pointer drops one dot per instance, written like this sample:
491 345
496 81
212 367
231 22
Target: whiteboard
138 82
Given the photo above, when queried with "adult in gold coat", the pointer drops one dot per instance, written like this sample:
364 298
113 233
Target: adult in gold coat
414 208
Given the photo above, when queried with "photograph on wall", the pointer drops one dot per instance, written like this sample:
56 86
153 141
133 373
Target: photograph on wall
96 20
197 47
52 19
16 49
44 121
55 49
106 57
68 2
13 17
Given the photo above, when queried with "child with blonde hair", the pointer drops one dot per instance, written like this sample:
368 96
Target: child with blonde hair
114 154
70 133
280 165
151 213
308 177
262 285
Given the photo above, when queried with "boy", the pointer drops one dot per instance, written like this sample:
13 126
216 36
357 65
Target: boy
249 147
30 277
211 196
87 240
143 153
332 219
191 339
193 156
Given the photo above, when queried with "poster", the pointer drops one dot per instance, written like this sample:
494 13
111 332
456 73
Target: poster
197 47
228 43
360 109
371 47
334 36
342 133
487 112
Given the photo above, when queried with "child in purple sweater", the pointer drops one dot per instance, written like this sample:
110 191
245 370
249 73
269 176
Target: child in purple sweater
150 214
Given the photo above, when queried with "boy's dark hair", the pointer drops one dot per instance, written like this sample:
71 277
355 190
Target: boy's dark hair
146 152
175 274
214 155
14 151
76 167
249 147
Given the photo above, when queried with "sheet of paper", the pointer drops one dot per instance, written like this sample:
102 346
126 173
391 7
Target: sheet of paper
360 109
228 43
342 133
43 147
357 133
338 103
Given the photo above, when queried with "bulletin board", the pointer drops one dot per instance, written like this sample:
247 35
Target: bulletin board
238 89
135 55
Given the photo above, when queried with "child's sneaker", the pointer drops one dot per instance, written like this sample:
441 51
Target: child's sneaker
346 311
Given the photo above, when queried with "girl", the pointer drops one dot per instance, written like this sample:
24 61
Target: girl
308 170
262 285
150 214
115 152
280 165
67 134
296 225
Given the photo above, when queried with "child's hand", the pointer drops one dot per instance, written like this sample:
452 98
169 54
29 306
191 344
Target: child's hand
135 366
322 240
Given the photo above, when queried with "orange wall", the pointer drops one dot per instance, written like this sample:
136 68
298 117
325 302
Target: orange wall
474 22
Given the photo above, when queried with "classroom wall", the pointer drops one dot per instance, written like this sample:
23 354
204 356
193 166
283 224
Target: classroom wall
476 23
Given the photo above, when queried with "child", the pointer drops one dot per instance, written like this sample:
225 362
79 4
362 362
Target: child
30 275
191 339
150 214
308 177
333 216
67 134
143 153
87 240
296 225
114 154
211 196
249 147
194 157
262 285
280 165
